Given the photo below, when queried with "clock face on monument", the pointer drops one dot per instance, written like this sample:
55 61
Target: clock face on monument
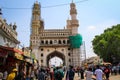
55 41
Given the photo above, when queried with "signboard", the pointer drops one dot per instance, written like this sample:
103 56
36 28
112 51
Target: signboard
18 56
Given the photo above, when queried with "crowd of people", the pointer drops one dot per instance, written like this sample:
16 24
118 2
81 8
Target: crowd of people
58 73
53 73
98 72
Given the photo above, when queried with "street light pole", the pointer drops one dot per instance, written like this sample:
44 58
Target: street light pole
84 50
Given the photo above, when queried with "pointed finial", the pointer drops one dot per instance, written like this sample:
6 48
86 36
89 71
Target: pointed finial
36 1
64 27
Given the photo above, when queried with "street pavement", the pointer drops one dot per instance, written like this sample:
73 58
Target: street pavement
112 77
115 77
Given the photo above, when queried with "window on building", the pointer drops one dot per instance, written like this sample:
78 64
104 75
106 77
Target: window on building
68 54
41 54
41 61
63 41
41 49
68 41
51 42
46 42
69 60
59 41
42 42
68 48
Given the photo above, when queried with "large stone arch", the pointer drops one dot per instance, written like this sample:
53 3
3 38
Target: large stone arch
57 54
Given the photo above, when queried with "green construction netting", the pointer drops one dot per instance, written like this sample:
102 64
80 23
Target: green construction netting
75 41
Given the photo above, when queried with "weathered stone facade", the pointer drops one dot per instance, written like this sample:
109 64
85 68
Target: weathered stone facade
8 34
48 43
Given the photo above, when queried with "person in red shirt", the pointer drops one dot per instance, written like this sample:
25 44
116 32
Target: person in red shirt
107 72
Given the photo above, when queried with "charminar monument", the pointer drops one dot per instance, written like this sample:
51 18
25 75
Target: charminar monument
49 43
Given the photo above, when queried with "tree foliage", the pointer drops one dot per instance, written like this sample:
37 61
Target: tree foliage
107 44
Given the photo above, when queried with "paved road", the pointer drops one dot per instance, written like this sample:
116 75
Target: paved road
112 77
116 77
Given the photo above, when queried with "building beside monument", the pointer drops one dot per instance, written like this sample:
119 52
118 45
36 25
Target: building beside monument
8 33
48 43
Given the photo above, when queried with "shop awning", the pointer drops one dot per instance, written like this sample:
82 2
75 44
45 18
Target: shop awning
11 49
3 53
5 48
18 51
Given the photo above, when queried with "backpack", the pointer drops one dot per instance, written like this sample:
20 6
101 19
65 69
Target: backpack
58 74
41 76
71 73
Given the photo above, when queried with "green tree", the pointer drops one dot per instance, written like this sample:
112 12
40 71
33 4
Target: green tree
107 44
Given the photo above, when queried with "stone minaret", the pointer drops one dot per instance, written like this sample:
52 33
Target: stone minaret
37 22
73 25
74 21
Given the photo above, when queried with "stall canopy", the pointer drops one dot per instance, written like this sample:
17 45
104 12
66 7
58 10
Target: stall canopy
4 51
18 51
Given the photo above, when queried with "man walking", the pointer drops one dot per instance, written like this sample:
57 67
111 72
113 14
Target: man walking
99 73
88 74
70 74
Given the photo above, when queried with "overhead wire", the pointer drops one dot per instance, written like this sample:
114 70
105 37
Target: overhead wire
47 6
64 4
43 6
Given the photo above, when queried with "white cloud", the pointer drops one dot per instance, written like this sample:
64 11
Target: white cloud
91 28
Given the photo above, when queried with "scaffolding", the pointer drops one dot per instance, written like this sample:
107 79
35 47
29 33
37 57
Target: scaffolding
83 53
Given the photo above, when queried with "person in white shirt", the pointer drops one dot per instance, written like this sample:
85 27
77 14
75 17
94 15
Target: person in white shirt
1 75
32 75
99 73
5 74
88 74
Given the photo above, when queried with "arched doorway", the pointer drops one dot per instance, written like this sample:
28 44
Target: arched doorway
55 61
56 54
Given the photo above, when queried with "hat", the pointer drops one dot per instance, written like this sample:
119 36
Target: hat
15 70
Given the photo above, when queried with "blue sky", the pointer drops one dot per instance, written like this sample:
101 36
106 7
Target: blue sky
94 16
